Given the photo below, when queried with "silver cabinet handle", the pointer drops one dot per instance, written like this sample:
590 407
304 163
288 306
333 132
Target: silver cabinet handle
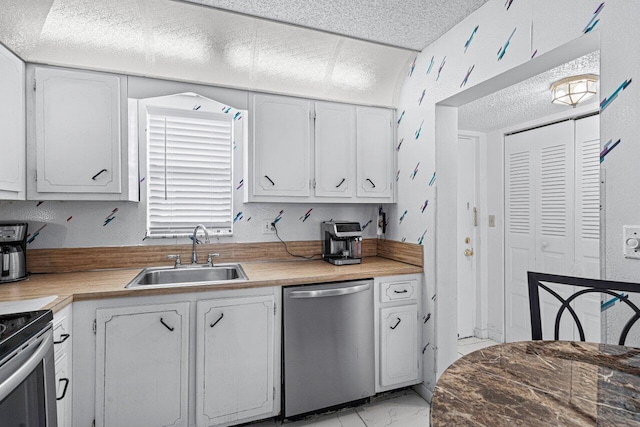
330 292
27 367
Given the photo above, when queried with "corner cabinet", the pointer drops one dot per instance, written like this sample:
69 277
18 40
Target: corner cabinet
12 127
78 136
142 365
234 359
375 153
397 323
305 151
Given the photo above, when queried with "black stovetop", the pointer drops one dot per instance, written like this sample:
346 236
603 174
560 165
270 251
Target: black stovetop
18 328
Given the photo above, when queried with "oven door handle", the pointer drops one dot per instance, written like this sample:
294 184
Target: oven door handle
330 292
27 367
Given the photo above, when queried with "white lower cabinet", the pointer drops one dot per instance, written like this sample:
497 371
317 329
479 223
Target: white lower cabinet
142 365
234 359
398 344
398 337
62 355
190 359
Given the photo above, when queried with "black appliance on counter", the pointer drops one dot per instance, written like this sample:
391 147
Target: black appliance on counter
13 251
27 371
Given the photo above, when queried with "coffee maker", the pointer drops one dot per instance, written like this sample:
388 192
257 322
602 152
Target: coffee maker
341 242
13 251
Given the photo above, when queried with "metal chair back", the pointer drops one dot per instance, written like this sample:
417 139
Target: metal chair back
538 280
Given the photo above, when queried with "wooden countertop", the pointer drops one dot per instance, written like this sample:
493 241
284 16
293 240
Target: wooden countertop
101 284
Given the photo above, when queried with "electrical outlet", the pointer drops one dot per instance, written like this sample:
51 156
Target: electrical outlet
492 220
267 228
631 241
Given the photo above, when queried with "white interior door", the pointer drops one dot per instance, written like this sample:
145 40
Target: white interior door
551 207
467 244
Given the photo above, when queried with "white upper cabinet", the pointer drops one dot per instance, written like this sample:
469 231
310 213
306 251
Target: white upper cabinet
78 133
281 146
335 149
352 148
375 152
12 127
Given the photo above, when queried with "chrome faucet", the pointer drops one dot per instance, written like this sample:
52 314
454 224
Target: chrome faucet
194 256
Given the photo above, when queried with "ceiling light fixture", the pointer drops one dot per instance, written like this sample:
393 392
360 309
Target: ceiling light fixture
574 90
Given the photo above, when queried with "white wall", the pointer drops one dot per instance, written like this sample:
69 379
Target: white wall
82 224
540 28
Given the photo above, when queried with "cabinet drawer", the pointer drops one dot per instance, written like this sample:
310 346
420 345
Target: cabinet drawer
61 334
396 291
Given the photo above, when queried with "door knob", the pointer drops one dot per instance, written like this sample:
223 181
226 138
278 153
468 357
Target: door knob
468 252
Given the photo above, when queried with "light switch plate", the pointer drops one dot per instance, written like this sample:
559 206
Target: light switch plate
631 241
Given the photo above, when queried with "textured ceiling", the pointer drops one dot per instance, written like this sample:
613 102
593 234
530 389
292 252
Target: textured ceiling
413 24
525 101
185 41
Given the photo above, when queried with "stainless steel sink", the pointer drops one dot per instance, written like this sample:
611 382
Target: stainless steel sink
165 277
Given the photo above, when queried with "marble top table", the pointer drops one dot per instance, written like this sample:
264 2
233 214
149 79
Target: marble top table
540 383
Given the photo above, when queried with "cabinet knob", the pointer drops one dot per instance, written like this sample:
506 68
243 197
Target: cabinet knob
98 174
374 186
272 183
341 182
64 390
396 325
165 325
219 319
63 338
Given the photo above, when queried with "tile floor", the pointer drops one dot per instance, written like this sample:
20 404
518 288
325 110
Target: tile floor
403 409
471 344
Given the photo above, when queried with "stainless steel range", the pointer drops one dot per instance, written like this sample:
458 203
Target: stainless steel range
27 383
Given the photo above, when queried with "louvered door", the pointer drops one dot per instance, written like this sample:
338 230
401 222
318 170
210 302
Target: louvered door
552 222
554 216
519 234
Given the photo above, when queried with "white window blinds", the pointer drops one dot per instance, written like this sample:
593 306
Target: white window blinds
189 176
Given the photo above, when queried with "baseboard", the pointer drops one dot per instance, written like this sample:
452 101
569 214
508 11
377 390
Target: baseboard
495 335
424 392
481 333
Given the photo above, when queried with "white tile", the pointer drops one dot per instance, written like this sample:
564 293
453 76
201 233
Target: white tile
470 348
339 419
405 410
469 340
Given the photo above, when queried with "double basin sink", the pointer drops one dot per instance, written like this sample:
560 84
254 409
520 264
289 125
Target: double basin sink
167 277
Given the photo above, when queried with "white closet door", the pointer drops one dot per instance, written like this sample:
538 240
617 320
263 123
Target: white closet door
587 223
519 234
552 223
554 214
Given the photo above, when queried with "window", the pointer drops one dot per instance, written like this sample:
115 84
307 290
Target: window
189 175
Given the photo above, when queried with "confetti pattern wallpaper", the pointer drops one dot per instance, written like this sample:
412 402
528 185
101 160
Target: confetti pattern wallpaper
497 37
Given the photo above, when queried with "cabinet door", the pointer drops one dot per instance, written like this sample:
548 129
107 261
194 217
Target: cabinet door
234 359
281 146
335 148
375 152
77 131
398 344
142 365
12 126
63 390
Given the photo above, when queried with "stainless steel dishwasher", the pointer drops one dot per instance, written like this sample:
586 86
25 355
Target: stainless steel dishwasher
328 345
